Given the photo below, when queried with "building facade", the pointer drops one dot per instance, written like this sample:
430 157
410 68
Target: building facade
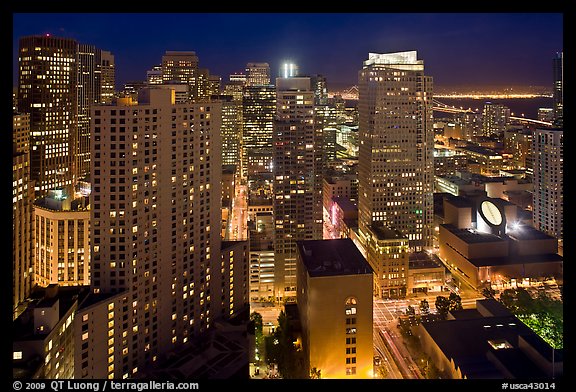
495 118
22 199
387 253
335 306
558 97
46 79
297 178
61 240
258 111
395 164
155 243
257 74
548 180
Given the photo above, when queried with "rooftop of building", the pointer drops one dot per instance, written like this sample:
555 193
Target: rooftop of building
479 150
336 257
513 171
446 153
220 353
458 201
422 260
467 178
490 307
23 326
340 177
386 233
95 298
472 236
481 345
528 233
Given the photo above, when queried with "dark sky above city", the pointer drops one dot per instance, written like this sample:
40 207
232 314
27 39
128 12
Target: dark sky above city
457 48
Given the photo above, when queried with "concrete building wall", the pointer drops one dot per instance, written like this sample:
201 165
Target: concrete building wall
327 328
62 247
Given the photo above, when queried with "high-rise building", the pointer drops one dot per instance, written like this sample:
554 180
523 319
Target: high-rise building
297 178
46 79
235 281
154 75
257 74
156 266
495 118
235 89
395 164
258 111
239 78
518 142
22 198
59 79
558 74
61 240
181 67
320 88
231 130
95 85
546 114
107 82
548 180
335 307
214 84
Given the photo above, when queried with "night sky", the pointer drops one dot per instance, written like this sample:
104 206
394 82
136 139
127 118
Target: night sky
457 48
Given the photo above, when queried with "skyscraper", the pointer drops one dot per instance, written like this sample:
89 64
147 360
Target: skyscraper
258 111
495 118
257 74
107 82
95 85
181 67
297 181
22 198
558 73
154 75
231 130
396 170
155 243
59 79
548 180
46 82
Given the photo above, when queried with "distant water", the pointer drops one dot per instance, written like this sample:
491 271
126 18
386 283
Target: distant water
528 106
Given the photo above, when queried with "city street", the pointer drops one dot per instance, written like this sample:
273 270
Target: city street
387 360
329 232
238 226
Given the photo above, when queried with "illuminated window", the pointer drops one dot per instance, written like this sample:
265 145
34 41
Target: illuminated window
17 355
